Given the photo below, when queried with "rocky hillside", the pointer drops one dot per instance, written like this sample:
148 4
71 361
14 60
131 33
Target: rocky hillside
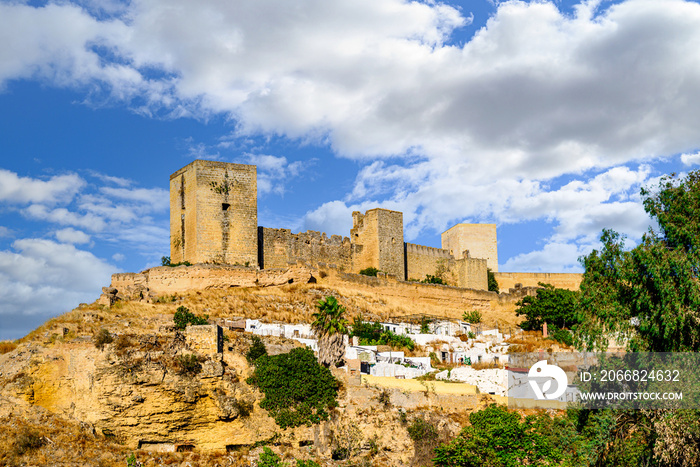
68 397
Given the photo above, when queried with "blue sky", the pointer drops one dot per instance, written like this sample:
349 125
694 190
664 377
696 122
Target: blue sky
545 118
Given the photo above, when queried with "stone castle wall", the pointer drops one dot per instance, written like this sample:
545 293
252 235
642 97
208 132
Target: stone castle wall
171 280
214 213
507 280
472 273
278 248
424 260
478 239
213 220
377 238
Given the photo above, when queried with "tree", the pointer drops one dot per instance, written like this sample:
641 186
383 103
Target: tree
492 282
555 306
298 391
330 325
257 349
499 438
648 296
184 317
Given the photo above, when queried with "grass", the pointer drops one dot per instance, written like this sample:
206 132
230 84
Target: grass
7 346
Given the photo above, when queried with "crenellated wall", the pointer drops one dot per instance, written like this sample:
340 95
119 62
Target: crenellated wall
213 220
507 280
278 248
424 260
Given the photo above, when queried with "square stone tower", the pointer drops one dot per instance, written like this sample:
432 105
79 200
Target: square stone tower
377 238
214 213
479 239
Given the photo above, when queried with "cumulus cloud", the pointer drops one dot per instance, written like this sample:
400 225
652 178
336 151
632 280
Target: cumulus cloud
691 159
40 278
22 190
72 236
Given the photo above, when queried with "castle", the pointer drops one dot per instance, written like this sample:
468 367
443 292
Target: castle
214 219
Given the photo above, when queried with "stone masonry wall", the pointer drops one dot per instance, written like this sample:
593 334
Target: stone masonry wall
423 260
377 238
479 239
278 248
217 207
363 236
390 240
171 280
507 280
472 273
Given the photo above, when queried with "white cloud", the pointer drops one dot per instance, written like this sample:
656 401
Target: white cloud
42 277
274 172
691 159
548 259
5 232
16 189
72 236
63 216
118 257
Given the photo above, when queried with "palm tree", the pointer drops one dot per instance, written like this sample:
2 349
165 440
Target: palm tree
330 325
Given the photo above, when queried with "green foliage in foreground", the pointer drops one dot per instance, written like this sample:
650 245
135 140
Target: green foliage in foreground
298 391
184 317
499 438
579 438
651 293
268 458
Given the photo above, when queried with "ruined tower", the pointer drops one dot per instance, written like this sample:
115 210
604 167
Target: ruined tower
214 213
377 238
478 239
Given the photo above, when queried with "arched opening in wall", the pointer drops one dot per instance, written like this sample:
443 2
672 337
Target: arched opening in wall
225 206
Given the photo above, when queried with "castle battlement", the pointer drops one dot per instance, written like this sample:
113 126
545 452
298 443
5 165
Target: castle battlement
213 219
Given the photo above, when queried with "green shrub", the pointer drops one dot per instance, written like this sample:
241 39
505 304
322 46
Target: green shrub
102 338
498 437
298 391
369 272
268 458
165 261
189 365
257 350
473 317
429 279
374 334
184 317
421 430
366 330
564 336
